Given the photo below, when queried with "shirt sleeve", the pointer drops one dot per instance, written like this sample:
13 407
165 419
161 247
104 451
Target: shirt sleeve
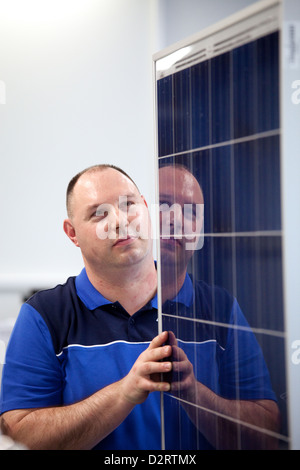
32 375
243 372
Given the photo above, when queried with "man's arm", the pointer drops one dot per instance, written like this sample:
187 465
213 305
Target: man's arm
82 425
234 424
226 424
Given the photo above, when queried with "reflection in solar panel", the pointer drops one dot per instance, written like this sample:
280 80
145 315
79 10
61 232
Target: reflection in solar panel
218 129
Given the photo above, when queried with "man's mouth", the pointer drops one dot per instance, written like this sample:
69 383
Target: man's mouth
171 242
124 241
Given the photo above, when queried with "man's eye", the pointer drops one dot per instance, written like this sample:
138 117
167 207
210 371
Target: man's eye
188 214
126 204
100 214
164 206
190 211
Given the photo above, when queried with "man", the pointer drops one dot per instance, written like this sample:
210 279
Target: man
82 369
218 374
82 362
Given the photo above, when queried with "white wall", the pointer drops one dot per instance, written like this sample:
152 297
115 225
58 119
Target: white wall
78 90
179 19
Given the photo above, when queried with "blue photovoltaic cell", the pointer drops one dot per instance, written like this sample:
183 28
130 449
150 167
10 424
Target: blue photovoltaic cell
255 86
220 93
220 120
257 185
199 105
182 111
259 280
165 115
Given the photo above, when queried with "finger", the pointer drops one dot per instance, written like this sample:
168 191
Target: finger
172 338
159 340
152 386
178 354
150 368
182 367
157 354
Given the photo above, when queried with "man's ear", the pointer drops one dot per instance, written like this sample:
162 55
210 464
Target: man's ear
70 231
144 201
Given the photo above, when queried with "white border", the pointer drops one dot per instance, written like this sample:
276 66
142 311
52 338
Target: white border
290 184
288 11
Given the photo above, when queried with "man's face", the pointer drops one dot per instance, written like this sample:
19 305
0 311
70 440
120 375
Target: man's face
110 219
181 206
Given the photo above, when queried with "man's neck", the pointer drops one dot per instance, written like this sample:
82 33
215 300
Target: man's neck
172 281
132 286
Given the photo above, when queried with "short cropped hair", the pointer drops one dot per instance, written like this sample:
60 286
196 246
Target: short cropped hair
92 169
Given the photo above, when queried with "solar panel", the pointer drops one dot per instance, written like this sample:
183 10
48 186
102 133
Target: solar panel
218 132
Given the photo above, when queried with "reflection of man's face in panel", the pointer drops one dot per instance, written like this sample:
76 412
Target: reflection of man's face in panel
179 196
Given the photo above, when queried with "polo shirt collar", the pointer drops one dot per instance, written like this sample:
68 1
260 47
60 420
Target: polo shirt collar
186 294
92 298
89 295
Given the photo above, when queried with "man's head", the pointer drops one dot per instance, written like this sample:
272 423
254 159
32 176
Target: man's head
107 217
91 169
182 197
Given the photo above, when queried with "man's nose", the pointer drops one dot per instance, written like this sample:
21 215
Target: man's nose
176 217
121 218
176 222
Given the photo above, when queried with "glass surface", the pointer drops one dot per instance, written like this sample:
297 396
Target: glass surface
221 248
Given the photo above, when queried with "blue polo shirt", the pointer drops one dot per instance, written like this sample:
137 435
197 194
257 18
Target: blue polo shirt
69 342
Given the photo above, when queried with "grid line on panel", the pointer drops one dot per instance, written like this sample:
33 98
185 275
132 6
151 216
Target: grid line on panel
233 223
257 233
264 331
239 140
232 171
265 431
254 233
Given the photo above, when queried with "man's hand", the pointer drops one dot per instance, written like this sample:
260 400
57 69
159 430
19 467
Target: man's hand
145 375
183 381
